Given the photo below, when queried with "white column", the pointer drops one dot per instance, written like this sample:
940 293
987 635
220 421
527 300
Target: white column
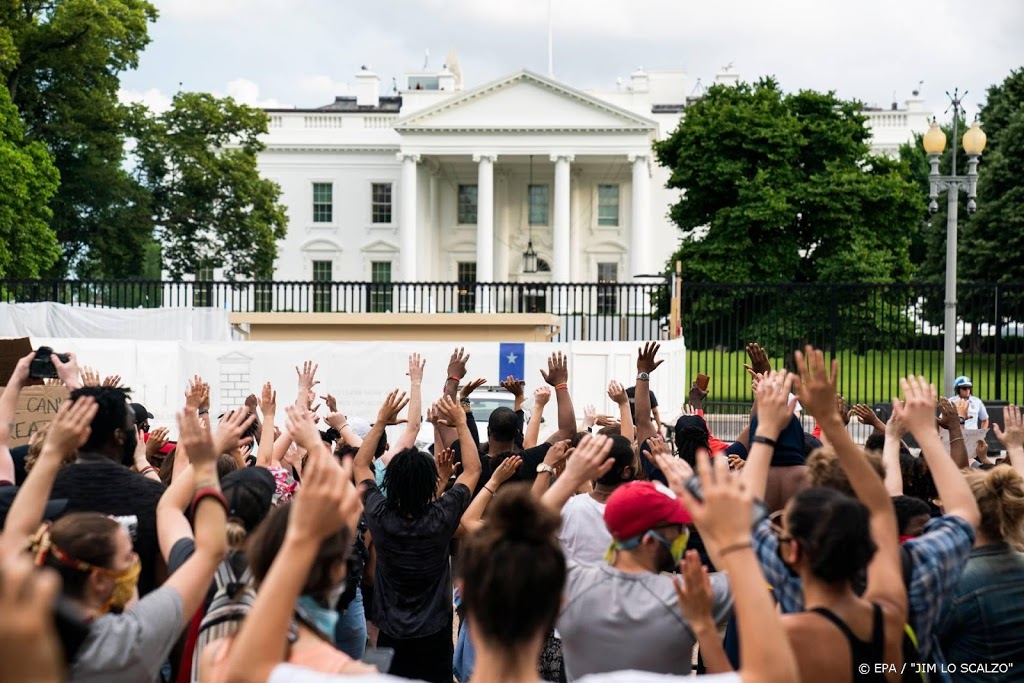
640 238
485 217
408 226
560 271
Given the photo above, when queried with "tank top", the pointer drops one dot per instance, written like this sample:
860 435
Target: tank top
862 652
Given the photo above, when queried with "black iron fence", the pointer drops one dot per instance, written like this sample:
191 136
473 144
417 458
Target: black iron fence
584 311
879 333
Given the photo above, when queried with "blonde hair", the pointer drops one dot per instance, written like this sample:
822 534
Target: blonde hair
1000 496
823 469
35 448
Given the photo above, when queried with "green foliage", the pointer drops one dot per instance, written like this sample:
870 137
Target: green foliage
28 180
61 61
782 188
210 205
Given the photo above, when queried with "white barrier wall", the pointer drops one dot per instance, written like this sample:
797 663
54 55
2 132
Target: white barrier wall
359 374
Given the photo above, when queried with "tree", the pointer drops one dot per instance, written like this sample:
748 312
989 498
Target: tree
210 206
61 61
782 188
28 180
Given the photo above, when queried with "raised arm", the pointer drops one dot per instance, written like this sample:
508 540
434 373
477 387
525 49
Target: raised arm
472 518
894 431
558 376
306 380
645 365
363 465
515 387
192 580
617 393
68 431
1012 436
327 503
919 414
816 390
268 406
456 371
695 601
541 396
68 372
589 461
774 413
8 409
171 523
949 420
456 417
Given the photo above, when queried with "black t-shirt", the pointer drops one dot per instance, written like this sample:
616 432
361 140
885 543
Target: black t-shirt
413 582
97 484
631 395
526 472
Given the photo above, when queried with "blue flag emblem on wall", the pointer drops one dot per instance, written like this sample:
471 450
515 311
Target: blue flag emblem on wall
512 361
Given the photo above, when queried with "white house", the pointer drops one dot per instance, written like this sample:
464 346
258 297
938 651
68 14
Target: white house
439 183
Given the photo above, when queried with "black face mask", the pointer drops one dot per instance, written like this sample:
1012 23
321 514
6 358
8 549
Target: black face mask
131 440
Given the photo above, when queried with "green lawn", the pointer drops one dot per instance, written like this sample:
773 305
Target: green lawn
869 378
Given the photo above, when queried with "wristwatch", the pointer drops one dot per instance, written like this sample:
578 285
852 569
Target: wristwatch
643 377
545 468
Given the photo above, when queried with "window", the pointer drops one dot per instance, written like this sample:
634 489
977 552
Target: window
467 286
608 294
538 197
380 208
607 204
202 294
323 202
467 204
323 274
380 290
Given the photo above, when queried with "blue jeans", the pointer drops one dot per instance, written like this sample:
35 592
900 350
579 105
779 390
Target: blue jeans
350 633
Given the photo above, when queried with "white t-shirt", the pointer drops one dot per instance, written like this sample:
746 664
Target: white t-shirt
584 536
647 677
975 411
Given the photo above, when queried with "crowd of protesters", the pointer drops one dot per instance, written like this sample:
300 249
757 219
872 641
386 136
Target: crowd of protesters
287 543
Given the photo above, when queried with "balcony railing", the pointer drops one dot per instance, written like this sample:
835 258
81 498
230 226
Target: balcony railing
585 311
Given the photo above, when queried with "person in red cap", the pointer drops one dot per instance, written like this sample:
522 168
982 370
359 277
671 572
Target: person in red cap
623 613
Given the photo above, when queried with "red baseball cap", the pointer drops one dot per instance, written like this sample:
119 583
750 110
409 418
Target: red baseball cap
640 506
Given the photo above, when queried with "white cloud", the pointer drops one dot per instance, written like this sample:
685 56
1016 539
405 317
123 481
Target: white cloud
247 92
152 98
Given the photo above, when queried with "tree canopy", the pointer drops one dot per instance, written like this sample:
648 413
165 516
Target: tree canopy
782 188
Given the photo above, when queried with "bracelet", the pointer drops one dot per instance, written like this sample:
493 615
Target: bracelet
207 492
146 470
453 378
489 491
735 546
765 440
561 387
203 411
959 438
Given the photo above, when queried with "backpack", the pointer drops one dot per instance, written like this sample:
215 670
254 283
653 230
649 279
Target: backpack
234 597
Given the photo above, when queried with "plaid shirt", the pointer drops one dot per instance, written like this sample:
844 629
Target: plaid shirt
937 558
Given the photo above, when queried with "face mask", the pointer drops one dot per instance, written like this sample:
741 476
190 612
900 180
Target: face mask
323 619
124 586
675 549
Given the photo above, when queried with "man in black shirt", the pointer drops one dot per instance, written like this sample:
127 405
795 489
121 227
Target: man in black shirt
631 395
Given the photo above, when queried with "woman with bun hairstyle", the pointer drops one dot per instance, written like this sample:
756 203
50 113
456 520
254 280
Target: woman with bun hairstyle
983 621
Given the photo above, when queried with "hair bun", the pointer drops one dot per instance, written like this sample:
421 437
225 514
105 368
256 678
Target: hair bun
517 515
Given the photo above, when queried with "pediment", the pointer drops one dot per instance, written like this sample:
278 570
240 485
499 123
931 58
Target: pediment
380 247
525 101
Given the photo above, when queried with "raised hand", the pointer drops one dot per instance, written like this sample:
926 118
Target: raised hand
541 396
513 386
197 393
844 414
416 365
327 501
759 363
963 407
645 358
558 452
723 518
457 364
30 649
230 430
688 410
337 420
196 440
697 395
112 381
67 372
558 369
303 429
1012 434
589 417
774 407
816 387
918 412
268 401
693 589
949 417
981 452
72 426
676 470
590 459
867 416
896 428
736 463
90 378
307 376
157 440
445 462
505 470
331 402
617 393
468 389
393 405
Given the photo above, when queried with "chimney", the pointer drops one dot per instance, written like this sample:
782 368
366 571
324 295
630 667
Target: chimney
367 88
446 80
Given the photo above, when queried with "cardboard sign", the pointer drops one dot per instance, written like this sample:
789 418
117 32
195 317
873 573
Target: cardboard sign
37 406
11 351
971 439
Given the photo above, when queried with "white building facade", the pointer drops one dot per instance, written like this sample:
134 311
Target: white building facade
442 184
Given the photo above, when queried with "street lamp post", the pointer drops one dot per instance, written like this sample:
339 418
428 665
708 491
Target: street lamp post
974 145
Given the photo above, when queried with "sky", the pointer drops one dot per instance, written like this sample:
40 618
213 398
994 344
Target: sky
305 52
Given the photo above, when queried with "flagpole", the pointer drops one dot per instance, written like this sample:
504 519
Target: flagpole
551 58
